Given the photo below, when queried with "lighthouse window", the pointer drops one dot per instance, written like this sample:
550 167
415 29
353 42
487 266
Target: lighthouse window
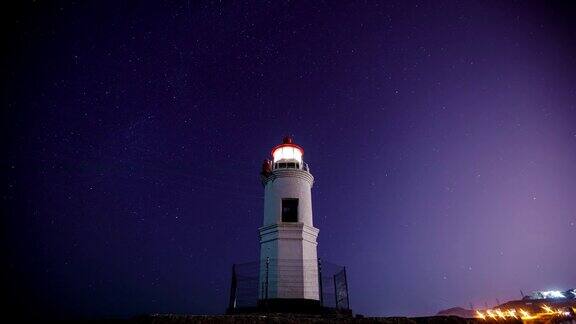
290 210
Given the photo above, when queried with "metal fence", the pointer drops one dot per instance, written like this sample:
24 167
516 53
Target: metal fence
254 282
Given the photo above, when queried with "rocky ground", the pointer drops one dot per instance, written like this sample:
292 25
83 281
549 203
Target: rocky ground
280 319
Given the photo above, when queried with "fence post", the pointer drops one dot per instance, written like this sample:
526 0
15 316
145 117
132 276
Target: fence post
233 286
335 290
346 285
267 272
320 282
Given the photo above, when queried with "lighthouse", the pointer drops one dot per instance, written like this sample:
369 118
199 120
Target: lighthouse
288 247
288 276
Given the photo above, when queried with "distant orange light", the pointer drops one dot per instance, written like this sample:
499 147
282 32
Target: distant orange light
480 315
547 309
491 314
525 314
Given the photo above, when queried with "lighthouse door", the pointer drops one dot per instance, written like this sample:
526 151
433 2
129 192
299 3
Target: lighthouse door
290 210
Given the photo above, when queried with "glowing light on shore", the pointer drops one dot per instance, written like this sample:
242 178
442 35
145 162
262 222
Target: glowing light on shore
480 315
547 309
524 314
507 314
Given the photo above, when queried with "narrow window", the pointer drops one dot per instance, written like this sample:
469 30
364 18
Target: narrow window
290 210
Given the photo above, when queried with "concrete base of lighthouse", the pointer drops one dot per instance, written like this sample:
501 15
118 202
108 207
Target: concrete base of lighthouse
289 262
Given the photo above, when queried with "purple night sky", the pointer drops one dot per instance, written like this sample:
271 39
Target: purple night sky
442 136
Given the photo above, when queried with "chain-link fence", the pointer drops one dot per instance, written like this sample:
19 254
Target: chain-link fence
318 281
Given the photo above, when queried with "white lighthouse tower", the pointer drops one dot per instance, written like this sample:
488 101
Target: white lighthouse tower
288 255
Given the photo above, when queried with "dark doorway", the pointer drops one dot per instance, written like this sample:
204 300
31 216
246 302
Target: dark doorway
290 210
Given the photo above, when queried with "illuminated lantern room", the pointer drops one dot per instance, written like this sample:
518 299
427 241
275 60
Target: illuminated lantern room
287 155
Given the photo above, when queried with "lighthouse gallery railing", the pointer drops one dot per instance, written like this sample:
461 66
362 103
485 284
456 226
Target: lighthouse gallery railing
291 165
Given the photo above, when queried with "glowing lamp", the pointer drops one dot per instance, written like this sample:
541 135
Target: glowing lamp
287 151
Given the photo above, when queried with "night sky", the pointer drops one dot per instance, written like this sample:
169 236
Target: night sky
442 136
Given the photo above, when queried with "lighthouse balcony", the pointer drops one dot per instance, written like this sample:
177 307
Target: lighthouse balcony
291 165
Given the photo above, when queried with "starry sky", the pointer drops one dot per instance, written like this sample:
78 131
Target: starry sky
442 136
